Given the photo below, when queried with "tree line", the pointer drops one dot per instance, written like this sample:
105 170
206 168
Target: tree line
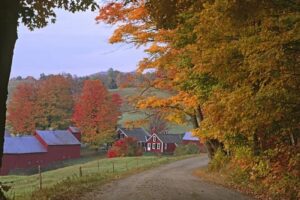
54 102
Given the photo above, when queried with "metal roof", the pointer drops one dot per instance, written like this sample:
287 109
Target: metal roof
58 137
189 136
7 133
139 133
74 129
170 138
22 144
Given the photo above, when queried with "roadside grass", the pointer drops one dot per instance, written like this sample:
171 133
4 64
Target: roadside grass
66 182
220 178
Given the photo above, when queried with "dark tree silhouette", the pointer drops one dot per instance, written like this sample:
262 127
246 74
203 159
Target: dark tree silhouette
33 14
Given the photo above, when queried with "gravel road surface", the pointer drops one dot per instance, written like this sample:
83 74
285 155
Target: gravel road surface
174 181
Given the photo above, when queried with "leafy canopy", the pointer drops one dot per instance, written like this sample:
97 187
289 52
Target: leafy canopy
37 14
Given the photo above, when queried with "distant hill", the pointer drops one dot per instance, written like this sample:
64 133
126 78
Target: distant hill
112 79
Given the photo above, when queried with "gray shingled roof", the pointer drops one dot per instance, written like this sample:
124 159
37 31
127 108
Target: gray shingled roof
23 144
139 133
170 138
58 137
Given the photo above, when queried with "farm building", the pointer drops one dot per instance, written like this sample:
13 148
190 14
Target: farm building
7 133
60 144
76 132
188 138
163 143
140 134
43 148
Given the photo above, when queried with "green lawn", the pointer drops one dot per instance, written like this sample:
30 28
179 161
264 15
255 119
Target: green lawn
23 186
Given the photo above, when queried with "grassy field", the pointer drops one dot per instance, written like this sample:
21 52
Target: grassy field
129 116
23 186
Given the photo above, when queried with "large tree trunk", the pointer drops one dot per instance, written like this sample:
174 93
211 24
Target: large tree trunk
212 145
8 36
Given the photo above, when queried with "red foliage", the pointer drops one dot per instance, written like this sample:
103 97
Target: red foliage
96 112
112 153
21 109
125 147
116 99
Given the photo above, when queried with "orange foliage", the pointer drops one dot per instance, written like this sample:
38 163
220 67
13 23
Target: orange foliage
96 112
54 102
21 109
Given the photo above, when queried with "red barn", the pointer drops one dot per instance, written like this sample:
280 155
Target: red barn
22 153
163 143
45 147
76 132
188 138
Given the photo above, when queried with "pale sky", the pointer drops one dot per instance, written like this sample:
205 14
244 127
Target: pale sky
74 44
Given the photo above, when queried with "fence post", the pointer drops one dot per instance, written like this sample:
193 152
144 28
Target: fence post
113 166
40 178
98 166
80 171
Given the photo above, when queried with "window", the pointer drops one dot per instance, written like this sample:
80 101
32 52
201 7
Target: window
165 145
154 139
153 145
149 146
158 146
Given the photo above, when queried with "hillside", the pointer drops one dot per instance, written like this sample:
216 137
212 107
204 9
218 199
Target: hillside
127 115
125 93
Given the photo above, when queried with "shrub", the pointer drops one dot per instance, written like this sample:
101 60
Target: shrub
219 161
186 149
125 147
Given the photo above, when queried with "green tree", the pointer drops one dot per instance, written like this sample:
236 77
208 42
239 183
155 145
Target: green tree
33 14
112 77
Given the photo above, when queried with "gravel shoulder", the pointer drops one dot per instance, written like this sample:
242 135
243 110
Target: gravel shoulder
173 181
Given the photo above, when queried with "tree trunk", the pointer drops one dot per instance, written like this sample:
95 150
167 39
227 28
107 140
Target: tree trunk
195 121
8 36
255 147
212 145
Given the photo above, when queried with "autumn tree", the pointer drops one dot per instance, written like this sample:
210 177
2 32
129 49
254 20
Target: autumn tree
54 104
96 112
239 61
33 14
157 123
138 25
21 113
116 100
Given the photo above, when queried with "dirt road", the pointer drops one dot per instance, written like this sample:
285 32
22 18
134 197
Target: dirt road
169 182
